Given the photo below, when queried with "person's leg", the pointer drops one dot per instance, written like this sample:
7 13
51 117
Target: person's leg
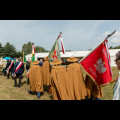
30 92
8 76
28 81
20 75
15 85
5 72
38 94
98 99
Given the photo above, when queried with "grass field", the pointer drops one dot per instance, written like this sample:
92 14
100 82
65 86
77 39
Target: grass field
9 92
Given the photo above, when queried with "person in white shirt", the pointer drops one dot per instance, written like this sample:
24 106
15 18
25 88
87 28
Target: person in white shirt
116 89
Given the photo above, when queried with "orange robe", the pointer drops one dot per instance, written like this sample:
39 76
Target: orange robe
92 89
46 73
36 78
76 86
59 83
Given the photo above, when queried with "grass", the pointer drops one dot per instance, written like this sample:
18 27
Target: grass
9 92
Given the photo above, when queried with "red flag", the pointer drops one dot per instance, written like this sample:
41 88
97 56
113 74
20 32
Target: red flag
97 65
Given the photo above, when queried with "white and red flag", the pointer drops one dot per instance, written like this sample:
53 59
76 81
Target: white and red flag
63 48
97 65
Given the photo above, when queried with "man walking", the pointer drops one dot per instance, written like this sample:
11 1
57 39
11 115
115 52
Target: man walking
17 72
9 67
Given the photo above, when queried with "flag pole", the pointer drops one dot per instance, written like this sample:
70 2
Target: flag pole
98 45
23 55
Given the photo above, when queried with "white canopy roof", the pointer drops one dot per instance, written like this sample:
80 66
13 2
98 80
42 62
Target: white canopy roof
72 54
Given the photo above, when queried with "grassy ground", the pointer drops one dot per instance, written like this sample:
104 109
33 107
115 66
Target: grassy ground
108 90
8 92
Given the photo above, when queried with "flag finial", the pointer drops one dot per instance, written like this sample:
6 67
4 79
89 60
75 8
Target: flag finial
110 34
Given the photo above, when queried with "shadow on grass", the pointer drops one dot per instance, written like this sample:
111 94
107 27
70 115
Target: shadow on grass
22 83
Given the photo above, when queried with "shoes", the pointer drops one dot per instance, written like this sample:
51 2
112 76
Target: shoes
15 85
29 92
19 86
38 94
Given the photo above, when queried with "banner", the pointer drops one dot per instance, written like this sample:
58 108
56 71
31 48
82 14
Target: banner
33 52
55 52
97 65
24 59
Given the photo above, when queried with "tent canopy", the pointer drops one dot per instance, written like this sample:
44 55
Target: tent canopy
7 58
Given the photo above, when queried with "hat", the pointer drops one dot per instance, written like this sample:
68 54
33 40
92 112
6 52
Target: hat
72 59
46 58
35 62
56 62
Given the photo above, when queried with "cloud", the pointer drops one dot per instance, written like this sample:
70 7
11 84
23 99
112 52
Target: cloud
115 40
117 34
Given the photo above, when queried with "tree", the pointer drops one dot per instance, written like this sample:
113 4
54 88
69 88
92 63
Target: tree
39 49
116 47
1 51
18 54
9 50
27 48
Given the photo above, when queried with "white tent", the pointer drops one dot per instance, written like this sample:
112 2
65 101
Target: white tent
75 54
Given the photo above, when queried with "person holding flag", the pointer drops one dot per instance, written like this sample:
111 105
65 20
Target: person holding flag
76 86
97 66
59 81
17 72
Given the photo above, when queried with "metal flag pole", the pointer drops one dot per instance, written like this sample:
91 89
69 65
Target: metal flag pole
98 45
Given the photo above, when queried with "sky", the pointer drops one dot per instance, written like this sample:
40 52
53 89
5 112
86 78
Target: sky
76 34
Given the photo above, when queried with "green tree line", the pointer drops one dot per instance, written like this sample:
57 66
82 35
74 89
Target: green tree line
116 47
9 50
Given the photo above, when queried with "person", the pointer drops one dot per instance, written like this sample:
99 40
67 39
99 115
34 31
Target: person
76 85
40 62
4 67
17 72
116 88
59 81
9 67
46 74
36 79
27 68
94 92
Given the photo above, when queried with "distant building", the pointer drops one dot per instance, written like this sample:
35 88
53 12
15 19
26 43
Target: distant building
77 54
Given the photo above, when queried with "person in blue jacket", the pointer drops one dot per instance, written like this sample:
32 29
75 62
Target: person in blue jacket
40 62
18 73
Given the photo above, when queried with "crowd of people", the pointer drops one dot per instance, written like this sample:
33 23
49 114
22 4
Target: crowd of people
63 82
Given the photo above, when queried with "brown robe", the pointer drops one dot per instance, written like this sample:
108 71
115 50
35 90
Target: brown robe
46 73
36 78
59 83
92 89
76 86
